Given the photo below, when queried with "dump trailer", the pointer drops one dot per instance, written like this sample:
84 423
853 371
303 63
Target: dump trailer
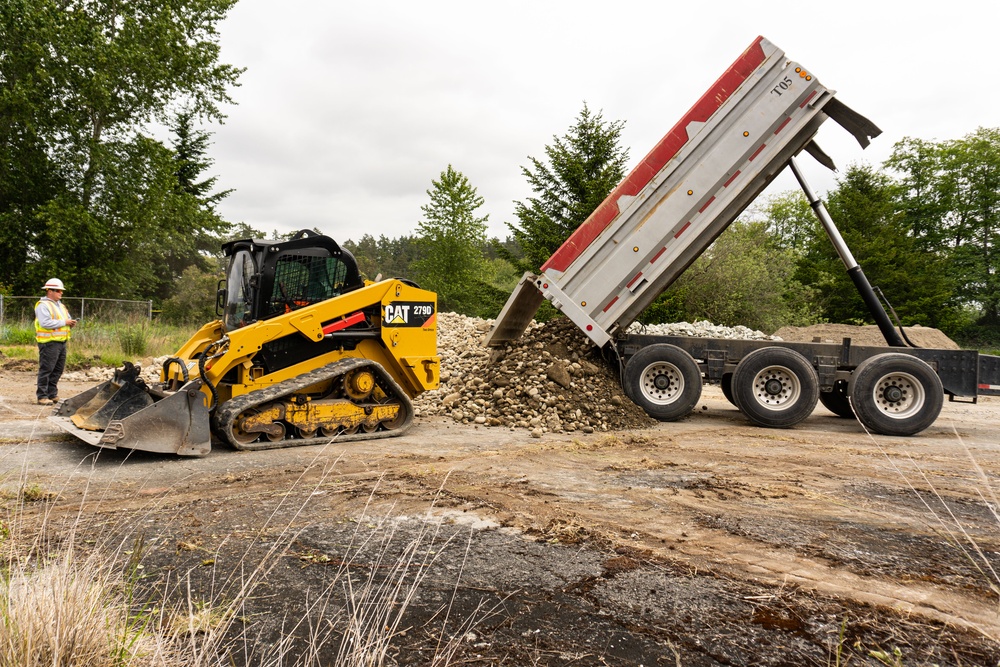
749 126
305 351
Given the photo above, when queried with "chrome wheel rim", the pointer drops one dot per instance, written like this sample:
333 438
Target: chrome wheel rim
776 388
899 395
661 383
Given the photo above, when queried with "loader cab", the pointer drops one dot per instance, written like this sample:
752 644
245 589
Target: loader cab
265 279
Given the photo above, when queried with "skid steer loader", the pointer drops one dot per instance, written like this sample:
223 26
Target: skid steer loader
305 351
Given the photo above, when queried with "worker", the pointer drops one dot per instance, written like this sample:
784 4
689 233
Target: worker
52 330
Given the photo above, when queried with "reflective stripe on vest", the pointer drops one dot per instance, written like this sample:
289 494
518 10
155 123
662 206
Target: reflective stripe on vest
57 311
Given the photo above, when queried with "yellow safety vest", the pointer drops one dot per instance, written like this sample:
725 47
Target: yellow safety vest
57 311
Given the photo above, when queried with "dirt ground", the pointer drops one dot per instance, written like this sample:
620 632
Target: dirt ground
702 542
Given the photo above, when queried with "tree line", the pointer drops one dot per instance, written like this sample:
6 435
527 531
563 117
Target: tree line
924 226
88 193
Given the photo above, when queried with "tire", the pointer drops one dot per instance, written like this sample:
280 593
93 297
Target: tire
727 388
775 387
838 401
664 381
896 394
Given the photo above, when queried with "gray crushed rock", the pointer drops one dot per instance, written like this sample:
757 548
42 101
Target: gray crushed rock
700 329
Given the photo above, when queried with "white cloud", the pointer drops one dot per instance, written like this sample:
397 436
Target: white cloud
348 110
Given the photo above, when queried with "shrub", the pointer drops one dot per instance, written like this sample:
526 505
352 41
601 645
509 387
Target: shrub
194 301
133 338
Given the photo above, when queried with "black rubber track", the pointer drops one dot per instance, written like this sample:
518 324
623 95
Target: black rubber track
226 414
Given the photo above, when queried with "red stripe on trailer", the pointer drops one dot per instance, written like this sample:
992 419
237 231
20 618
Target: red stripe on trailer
657 158
806 101
344 323
633 281
657 255
610 304
731 179
707 204
783 124
990 387
682 230
757 152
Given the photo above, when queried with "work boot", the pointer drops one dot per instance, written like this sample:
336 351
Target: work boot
45 401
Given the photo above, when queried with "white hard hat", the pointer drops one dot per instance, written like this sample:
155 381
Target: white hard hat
54 283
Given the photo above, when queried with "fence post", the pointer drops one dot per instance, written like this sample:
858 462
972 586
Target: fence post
1 308
150 310
83 306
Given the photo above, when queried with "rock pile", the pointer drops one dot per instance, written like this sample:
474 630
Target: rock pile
97 374
551 380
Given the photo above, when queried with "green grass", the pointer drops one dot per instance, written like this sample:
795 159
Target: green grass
100 344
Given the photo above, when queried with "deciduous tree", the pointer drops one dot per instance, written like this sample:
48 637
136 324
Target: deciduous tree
951 198
744 278
80 83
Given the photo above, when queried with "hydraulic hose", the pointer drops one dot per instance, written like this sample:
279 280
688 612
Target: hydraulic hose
176 360
204 358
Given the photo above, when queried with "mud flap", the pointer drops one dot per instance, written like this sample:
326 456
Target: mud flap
177 424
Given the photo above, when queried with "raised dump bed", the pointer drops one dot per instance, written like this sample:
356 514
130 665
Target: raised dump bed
763 111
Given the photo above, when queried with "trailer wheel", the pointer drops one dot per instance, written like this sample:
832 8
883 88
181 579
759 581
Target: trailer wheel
664 381
775 387
838 401
727 388
896 394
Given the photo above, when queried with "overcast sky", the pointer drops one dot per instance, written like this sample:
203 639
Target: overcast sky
348 110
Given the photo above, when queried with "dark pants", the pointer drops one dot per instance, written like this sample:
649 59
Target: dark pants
51 360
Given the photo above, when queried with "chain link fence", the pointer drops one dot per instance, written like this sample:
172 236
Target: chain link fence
20 310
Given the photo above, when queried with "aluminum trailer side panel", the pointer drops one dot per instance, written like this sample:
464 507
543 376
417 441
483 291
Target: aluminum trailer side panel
761 112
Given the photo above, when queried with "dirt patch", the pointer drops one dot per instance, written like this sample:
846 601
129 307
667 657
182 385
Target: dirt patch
17 365
700 542
865 335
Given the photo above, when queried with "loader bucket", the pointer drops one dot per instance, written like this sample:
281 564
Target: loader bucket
112 402
125 392
123 414
98 398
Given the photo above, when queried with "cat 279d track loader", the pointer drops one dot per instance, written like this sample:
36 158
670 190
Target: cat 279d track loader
305 351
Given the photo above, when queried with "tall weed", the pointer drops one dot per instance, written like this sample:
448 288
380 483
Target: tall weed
133 338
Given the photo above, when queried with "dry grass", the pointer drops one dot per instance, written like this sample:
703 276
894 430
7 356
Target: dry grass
73 608
73 600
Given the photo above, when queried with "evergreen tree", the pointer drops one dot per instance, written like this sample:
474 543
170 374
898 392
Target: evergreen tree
190 155
384 256
451 238
865 206
583 167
